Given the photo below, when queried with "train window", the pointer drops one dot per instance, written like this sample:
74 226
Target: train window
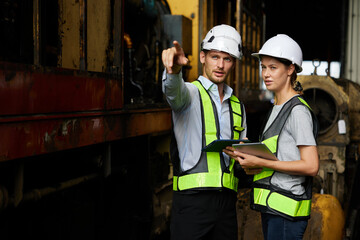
17 31
49 50
16 42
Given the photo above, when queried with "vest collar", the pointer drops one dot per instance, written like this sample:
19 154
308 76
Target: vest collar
296 95
228 91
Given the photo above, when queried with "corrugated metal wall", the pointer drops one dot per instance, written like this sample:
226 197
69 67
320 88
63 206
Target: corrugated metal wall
352 65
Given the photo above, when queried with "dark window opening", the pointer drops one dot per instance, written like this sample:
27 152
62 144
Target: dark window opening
16 42
49 48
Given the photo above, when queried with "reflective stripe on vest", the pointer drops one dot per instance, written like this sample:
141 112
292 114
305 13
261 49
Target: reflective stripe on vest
282 203
271 143
215 177
272 200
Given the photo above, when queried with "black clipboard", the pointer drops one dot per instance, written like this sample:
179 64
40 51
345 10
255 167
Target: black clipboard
258 149
220 144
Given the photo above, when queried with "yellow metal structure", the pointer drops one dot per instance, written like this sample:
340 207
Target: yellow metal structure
69 34
190 9
98 34
327 219
89 46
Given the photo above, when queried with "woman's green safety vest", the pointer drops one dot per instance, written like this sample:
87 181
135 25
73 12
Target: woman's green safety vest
210 172
268 198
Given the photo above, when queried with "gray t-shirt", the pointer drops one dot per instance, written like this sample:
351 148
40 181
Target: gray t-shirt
298 130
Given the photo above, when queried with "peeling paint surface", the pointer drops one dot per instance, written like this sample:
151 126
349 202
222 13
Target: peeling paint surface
48 112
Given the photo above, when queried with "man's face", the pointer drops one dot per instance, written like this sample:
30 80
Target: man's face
216 65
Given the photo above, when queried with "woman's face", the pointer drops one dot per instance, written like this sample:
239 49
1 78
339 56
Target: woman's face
276 75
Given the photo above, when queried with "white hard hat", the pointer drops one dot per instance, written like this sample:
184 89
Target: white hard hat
282 46
223 38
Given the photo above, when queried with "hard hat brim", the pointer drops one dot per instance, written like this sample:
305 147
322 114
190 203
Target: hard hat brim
258 56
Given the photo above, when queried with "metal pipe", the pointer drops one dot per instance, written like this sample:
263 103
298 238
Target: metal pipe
83 35
37 194
19 184
130 51
238 72
118 33
107 162
36 31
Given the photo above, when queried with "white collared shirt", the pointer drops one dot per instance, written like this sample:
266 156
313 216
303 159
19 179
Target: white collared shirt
184 99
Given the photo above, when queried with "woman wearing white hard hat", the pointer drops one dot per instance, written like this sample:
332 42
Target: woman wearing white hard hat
282 191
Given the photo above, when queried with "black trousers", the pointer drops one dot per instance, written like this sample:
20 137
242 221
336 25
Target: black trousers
209 214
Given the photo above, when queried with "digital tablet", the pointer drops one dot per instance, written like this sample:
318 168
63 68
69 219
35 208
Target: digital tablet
220 144
258 149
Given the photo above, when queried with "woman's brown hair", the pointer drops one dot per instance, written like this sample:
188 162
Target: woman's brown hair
294 83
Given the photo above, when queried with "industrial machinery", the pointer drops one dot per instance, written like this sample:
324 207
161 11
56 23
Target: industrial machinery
337 107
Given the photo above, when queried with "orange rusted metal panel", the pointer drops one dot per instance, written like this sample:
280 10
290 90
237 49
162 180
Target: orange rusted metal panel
28 91
43 111
31 136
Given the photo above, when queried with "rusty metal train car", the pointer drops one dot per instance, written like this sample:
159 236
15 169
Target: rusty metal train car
84 128
81 117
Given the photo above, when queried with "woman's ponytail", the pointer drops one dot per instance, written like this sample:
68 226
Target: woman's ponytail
297 87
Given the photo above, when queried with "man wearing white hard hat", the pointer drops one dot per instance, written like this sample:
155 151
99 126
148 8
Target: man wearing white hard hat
282 191
204 183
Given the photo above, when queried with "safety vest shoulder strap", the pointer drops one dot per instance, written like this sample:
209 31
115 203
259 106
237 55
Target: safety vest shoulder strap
276 127
236 108
209 115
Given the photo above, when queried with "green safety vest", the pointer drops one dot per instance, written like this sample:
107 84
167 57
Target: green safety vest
210 172
268 198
